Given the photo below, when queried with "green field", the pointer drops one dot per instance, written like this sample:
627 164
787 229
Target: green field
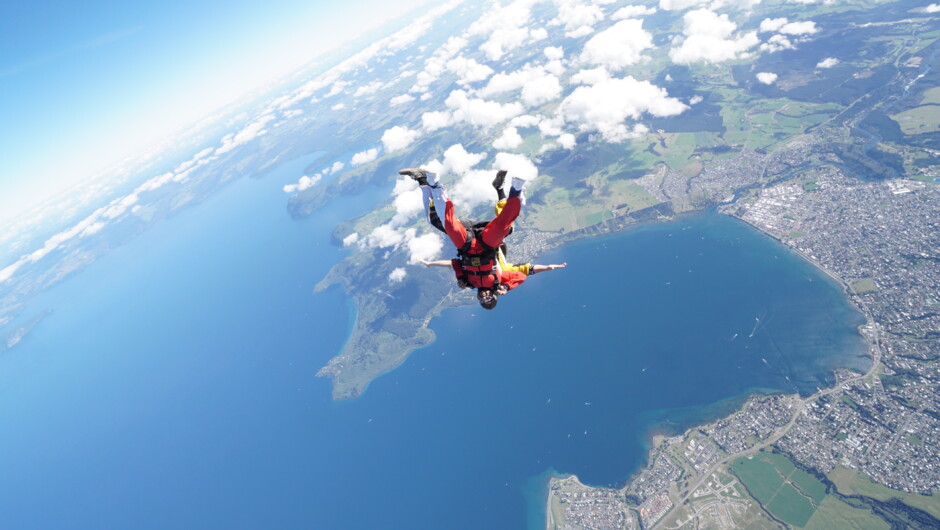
850 481
864 285
931 96
833 513
791 507
788 493
925 119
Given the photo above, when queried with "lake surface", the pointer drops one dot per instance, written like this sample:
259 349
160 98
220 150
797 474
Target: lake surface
174 384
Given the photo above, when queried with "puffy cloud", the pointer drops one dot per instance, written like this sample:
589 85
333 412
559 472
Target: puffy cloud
303 183
567 140
336 88
437 64
632 11
432 121
398 137
695 100
365 157
425 247
337 166
679 5
480 112
407 201
510 139
578 19
505 29
618 46
541 90
338 106
526 120
397 275
806 27
538 86
772 24
777 43
554 53
932 8
368 89
468 70
351 239
404 98
606 105
517 166
458 160
590 76
248 133
711 38
767 78
828 62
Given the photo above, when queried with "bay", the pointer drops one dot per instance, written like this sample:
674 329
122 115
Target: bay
173 386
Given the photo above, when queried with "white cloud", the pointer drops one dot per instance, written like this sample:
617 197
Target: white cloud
526 120
772 24
541 90
828 62
504 28
368 89
932 8
468 70
578 19
424 247
480 112
365 157
695 100
516 165
538 86
336 88
250 132
567 140
397 275
679 5
554 53
351 239
337 166
711 38
632 12
458 160
605 106
806 27
398 137
590 76
432 121
404 98
618 46
303 183
7 272
777 43
510 139
767 78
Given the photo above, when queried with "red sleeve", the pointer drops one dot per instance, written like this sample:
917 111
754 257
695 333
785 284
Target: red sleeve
511 279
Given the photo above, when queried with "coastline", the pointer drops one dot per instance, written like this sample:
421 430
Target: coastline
658 437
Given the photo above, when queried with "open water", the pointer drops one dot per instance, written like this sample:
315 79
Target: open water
174 384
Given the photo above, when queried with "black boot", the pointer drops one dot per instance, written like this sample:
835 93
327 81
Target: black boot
419 175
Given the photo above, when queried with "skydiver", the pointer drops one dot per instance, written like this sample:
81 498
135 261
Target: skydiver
478 247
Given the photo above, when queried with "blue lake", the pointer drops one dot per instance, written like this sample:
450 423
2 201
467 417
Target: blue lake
174 384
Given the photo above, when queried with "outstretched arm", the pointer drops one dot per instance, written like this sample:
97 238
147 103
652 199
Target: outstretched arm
542 268
439 263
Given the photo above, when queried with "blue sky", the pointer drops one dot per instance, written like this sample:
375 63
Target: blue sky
84 84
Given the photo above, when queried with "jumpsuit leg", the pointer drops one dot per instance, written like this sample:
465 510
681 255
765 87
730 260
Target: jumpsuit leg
454 229
498 228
